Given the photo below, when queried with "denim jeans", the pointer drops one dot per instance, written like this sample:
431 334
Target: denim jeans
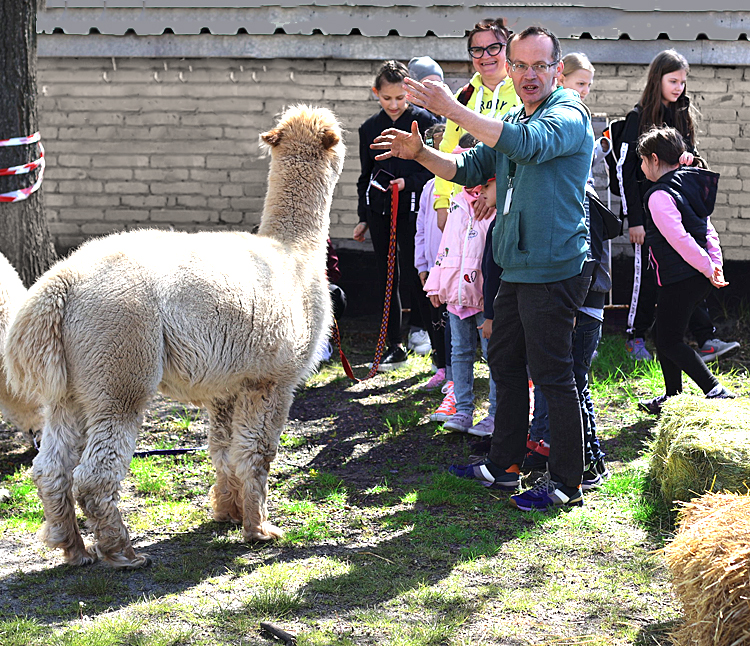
463 352
586 336
534 322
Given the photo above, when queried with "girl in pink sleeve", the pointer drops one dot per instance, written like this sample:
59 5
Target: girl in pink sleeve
685 254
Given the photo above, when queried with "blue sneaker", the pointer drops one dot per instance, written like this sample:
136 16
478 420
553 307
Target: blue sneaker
489 474
594 476
548 494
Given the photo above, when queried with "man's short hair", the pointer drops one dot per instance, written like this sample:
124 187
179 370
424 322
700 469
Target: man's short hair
535 30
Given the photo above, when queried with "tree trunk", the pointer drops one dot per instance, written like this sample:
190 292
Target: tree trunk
24 235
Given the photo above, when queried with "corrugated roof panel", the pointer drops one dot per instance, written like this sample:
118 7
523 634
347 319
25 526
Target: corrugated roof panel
628 5
374 21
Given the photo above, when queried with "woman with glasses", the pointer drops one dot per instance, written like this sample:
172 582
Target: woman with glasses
490 93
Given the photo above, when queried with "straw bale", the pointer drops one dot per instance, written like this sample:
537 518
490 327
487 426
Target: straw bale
700 445
710 563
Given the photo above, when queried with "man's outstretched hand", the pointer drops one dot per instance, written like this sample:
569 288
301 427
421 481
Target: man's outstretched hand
397 143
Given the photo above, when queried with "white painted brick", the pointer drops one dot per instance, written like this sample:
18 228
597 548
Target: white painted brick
131 188
79 214
180 215
100 228
110 174
702 72
729 72
233 217
724 129
157 175
184 188
88 200
126 215
738 254
731 185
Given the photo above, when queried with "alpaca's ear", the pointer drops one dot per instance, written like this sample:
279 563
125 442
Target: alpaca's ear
272 137
330 138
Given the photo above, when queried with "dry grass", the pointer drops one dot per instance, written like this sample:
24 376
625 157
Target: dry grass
701 445
710 561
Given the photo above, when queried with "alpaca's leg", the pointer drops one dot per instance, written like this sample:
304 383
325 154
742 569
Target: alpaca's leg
226 494
96 485
53 475
259 418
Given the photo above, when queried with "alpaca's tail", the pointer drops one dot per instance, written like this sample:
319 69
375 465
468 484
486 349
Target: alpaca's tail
34 355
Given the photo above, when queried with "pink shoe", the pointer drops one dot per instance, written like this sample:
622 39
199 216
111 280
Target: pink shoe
436 380
447 408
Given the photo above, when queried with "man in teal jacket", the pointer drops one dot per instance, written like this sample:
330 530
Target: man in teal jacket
542 151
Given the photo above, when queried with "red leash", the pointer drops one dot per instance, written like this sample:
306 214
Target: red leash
386 304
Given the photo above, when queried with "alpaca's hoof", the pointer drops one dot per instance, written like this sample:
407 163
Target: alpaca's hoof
225 517
266 532
81 557
122 563
127 560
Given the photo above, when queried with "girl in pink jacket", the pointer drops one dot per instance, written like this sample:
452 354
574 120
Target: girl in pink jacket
456 280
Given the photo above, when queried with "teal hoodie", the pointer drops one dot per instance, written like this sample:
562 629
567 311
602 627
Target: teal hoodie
543 237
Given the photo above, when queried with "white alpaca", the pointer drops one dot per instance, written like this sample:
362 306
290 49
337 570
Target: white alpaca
225 320
25 415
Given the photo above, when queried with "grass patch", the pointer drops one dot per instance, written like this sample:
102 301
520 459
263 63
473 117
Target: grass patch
382 545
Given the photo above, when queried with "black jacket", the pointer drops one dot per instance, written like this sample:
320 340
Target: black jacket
634 181
372 201
694 191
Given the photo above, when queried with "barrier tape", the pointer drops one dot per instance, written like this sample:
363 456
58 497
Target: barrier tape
386 303
23 193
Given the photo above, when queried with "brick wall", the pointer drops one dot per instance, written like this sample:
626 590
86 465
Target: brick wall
174 143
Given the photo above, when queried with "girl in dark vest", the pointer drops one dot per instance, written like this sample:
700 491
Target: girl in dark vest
684 252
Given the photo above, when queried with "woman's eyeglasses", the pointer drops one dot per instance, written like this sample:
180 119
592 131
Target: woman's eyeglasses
492 50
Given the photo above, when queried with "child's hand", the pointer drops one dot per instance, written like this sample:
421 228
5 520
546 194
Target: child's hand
423 276
717 278
686 158
637 234
359 232
482 210
486 328
435 300
399 182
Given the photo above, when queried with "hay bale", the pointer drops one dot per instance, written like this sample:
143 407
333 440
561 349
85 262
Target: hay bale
710 563
700 445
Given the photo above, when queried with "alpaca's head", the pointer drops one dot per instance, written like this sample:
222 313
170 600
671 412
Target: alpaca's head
311 135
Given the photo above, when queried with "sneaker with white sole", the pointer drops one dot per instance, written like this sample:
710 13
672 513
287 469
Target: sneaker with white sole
435 381
393 358
484 428
715 348
461 421
419 342
447 408
547 494
489 474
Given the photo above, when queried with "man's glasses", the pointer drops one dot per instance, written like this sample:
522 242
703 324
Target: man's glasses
492 50
539 68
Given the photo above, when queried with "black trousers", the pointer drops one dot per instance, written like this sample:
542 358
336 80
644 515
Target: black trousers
535 321
405 273
676 305
643 301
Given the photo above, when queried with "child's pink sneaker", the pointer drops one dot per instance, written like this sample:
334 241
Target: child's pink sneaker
436 380
447 409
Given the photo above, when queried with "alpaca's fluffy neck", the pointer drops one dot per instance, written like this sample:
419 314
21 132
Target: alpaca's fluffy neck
298 202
